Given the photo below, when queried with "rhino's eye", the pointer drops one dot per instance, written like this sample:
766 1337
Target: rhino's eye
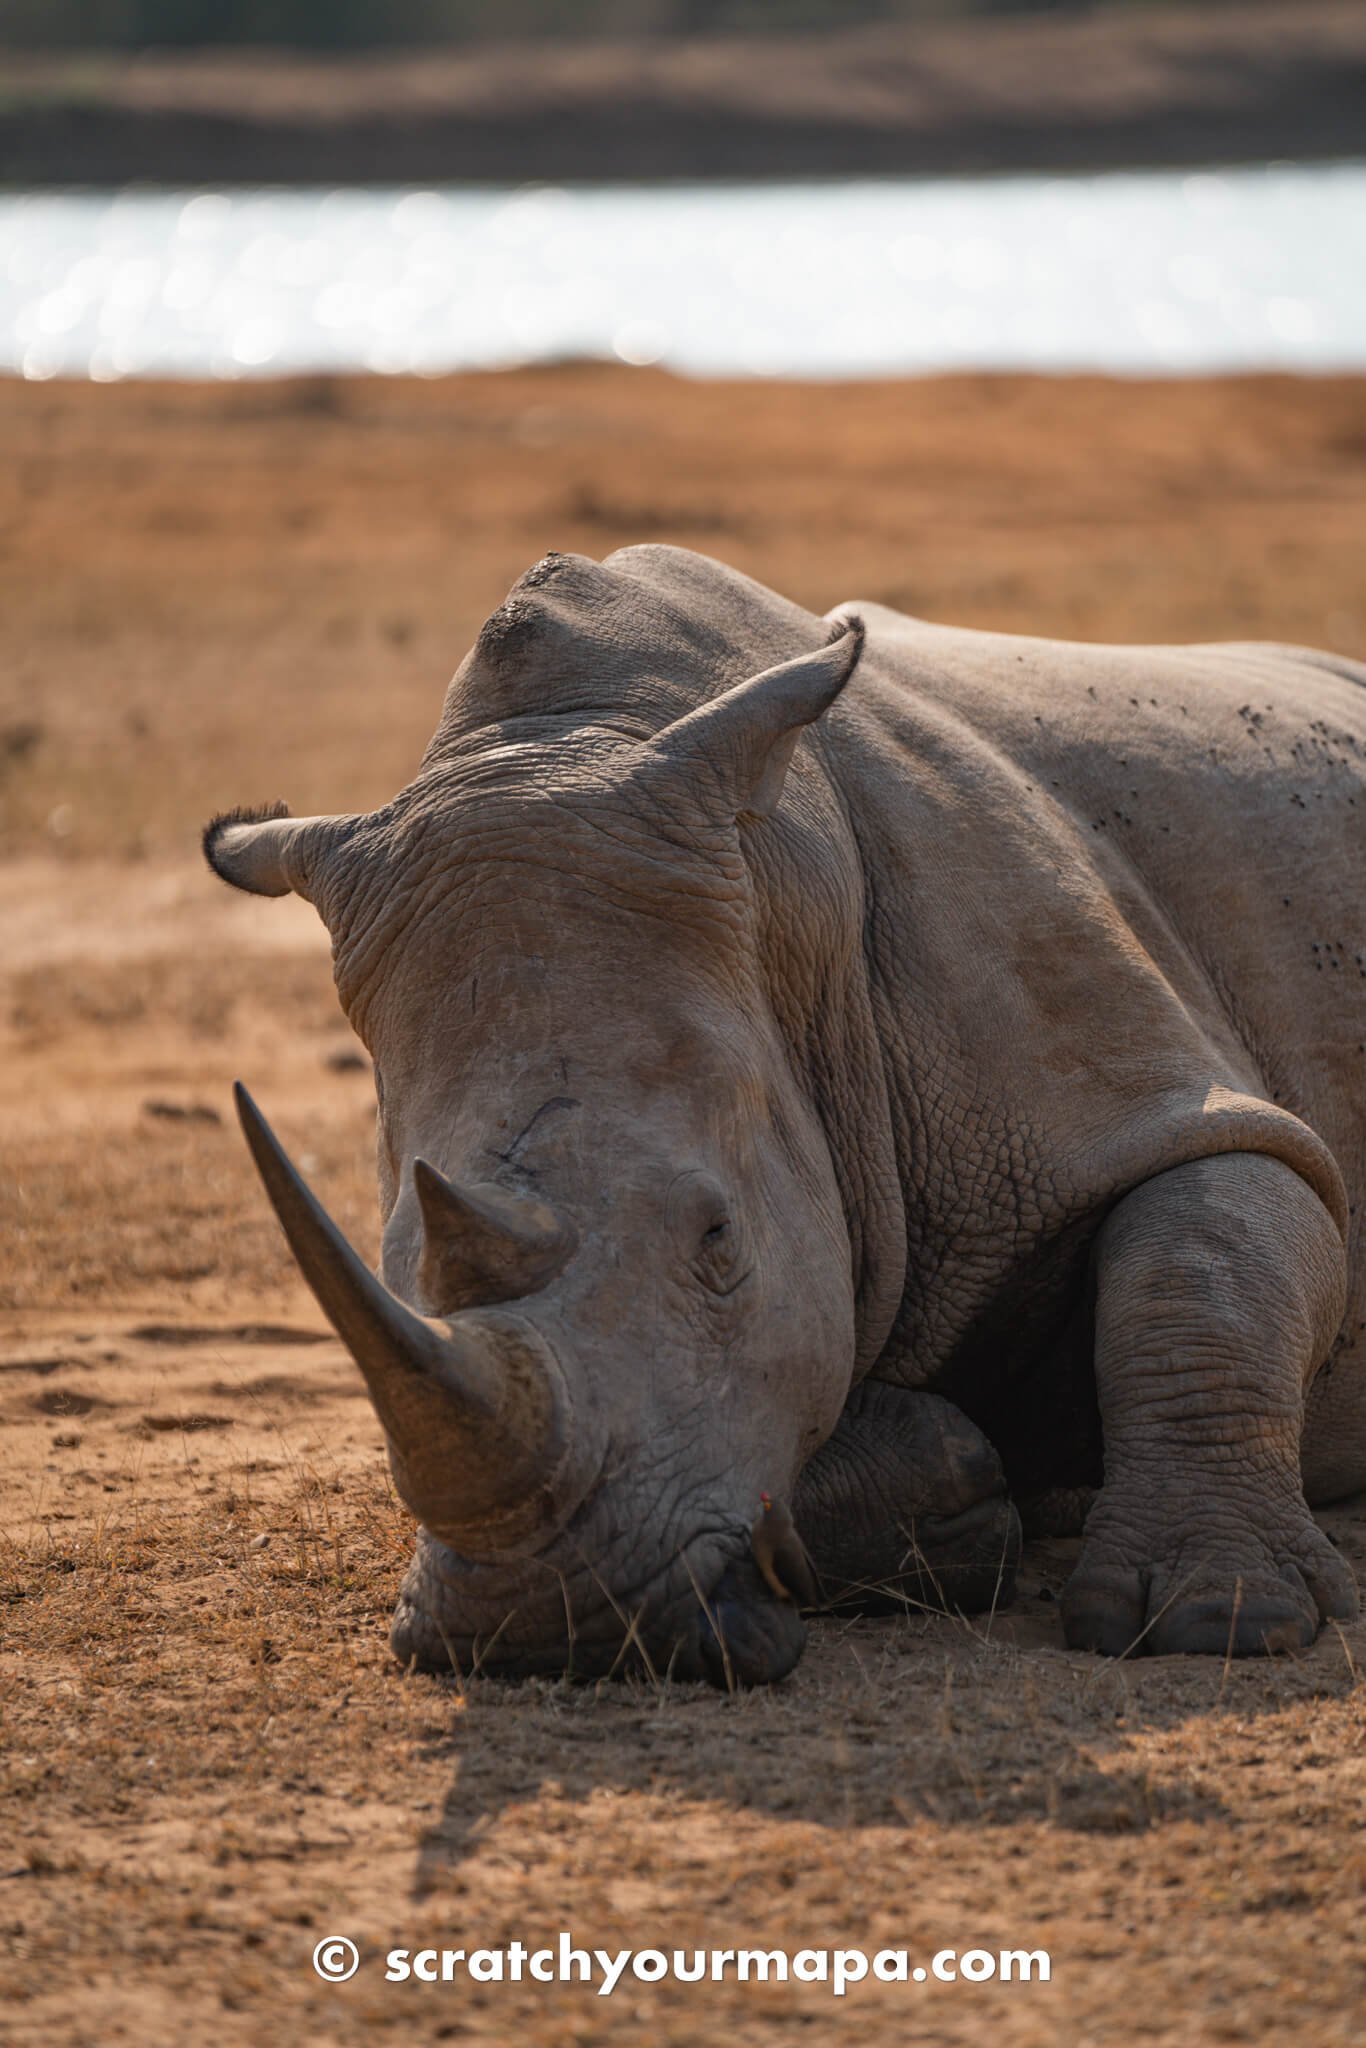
711 1240
719 1264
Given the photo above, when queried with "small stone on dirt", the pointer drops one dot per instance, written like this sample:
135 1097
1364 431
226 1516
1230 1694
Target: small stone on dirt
181 1112
347 1061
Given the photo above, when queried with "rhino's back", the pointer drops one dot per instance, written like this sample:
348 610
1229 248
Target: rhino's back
1224 778
1113 884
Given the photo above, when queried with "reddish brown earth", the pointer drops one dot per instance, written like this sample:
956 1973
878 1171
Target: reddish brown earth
209 1762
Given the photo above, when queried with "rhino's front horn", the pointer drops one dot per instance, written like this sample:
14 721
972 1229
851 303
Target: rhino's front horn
473 1410
482 1244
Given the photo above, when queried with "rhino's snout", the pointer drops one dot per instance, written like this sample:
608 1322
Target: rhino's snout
483 1451
727 1627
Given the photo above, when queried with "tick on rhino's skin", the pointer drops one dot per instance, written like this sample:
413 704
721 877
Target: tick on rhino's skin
917 1145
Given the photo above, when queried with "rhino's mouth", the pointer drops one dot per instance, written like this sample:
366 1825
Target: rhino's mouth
705 1616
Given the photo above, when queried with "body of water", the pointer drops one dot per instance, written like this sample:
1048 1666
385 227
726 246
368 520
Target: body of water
1142 272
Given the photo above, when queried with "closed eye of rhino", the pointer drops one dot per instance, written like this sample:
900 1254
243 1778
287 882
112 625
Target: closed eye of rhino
720 1263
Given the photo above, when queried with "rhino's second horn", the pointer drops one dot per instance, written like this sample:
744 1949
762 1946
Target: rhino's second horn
482 1244
472 1409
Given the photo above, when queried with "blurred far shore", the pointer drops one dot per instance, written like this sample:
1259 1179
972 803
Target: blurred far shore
193 92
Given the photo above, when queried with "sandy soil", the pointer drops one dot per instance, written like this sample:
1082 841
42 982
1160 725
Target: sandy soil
209 1762
1089 89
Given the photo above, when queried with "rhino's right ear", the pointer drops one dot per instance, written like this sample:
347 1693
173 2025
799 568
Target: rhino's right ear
268 852
742 743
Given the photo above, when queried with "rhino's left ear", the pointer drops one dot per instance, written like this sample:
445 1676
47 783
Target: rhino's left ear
268 852
744 740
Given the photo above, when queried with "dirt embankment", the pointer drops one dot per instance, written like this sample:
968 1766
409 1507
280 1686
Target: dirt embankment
1094 90
208 1760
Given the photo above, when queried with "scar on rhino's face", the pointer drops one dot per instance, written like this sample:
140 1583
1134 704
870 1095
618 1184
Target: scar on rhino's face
555 1104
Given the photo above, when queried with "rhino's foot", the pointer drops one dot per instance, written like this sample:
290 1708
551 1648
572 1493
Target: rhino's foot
1217 1583
1219 1286
906 1505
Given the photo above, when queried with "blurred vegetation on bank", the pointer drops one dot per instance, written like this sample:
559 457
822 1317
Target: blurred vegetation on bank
250 92
380 24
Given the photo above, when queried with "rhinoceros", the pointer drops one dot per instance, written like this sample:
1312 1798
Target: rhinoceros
914 1073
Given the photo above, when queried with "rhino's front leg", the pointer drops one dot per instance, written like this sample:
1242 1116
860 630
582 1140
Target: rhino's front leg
907 1502
1220 1286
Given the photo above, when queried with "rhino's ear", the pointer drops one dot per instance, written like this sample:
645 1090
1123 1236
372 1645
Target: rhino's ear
268 852
743 742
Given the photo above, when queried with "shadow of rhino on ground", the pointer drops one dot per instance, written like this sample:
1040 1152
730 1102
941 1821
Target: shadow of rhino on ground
958 1723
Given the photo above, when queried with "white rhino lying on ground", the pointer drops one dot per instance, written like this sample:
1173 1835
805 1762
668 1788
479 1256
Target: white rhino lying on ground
878 1070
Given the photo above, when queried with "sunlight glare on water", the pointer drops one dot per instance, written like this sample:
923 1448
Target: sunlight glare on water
1142 272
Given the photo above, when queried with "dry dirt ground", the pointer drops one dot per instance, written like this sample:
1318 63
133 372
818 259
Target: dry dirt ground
212 595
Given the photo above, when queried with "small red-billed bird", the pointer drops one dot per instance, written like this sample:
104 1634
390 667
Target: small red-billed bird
781 1555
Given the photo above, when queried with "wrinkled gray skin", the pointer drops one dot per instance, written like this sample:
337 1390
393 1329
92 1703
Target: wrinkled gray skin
834 1070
